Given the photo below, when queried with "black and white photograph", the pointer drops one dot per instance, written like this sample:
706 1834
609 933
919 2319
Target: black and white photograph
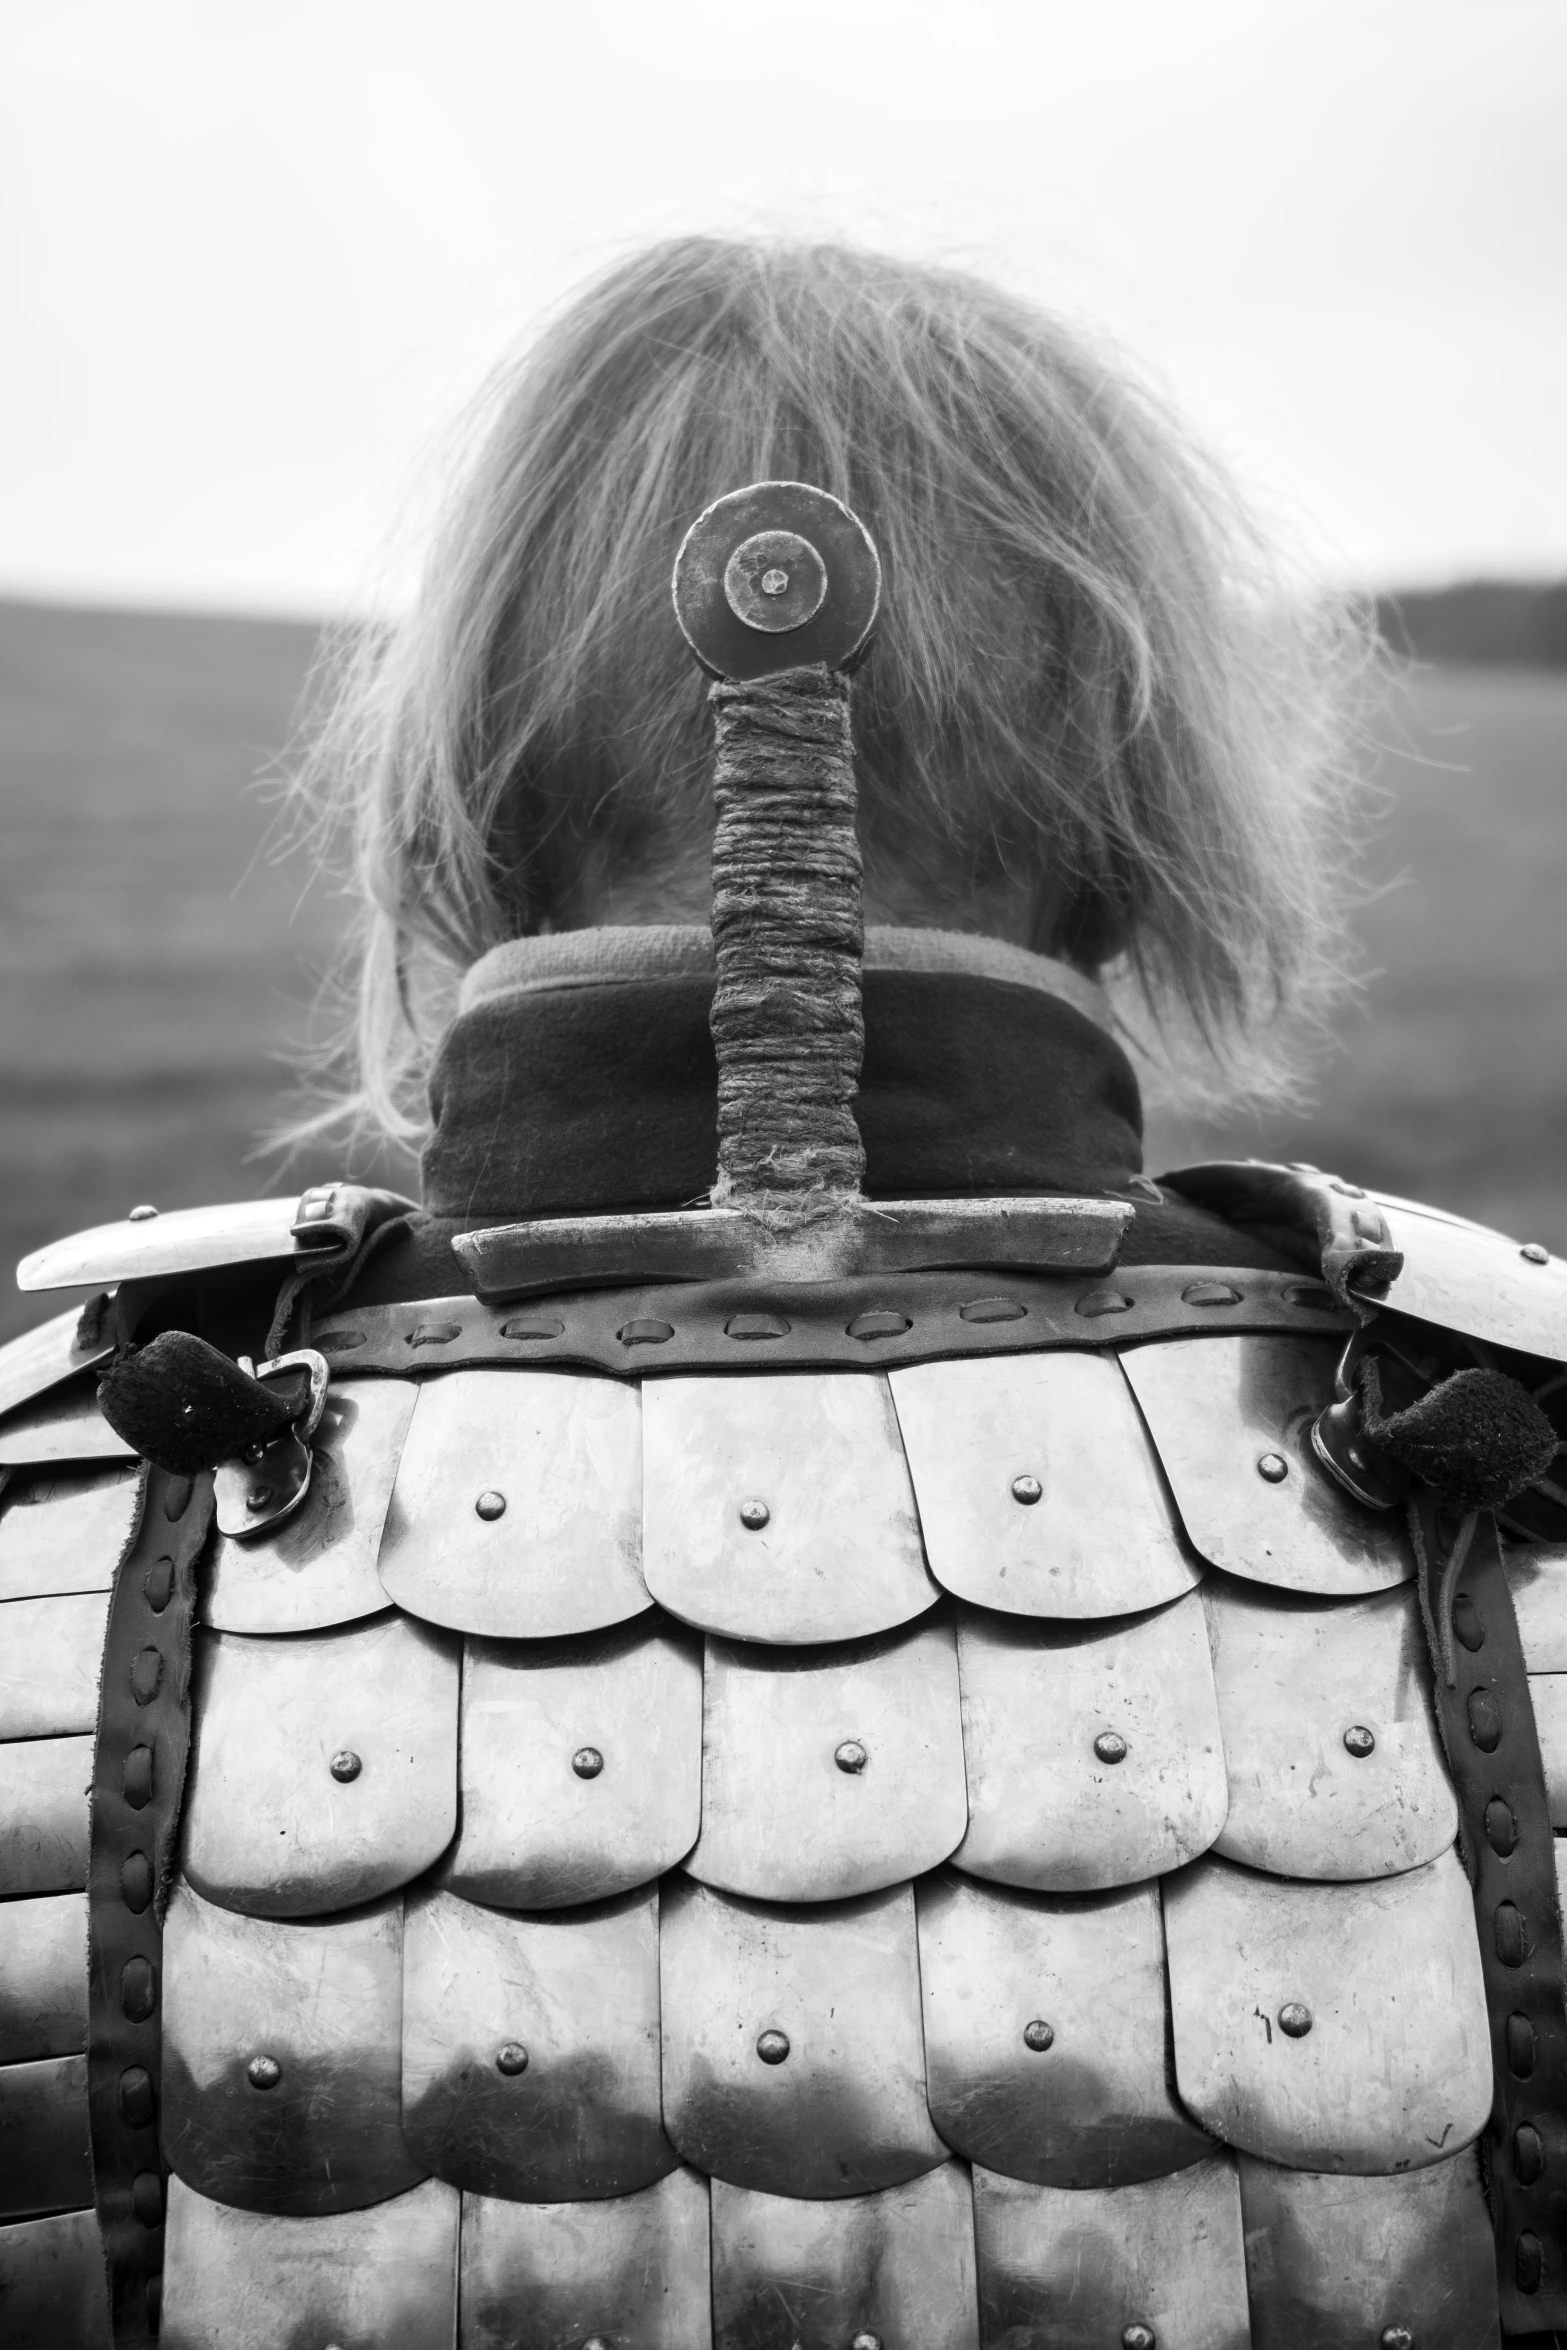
783 1175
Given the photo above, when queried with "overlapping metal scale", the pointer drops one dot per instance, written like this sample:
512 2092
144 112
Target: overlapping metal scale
941 1861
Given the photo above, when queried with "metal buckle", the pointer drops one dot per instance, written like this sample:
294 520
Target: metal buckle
262 1486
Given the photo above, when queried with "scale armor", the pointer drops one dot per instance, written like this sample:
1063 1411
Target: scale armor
689 1796
944 1856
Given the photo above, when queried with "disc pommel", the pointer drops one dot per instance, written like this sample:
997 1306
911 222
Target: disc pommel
777 576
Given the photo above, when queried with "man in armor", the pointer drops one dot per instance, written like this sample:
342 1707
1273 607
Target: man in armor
800 1713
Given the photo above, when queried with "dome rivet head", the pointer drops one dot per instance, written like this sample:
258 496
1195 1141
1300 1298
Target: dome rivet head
851 1756
1110 1747
596 2342
587 1762
772 2046
1137 2336
141 1215
491 1504
1039 2035
511 2058
754 1515
1027 1490
345 1765
1294 2019
1395 2338
263 2072
1272 1467
1533 1254
1359 1741
866 2342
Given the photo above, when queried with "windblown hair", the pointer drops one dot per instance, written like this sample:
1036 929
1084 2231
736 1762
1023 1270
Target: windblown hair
1089 689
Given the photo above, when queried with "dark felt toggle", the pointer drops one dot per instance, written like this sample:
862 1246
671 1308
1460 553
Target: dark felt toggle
1477 1438
185 1407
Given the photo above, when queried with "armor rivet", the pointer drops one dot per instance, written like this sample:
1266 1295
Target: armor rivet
1347 1190
1294 2019
1139 2337
1359 1741
263 2072
345 1765
1110 1746
141 1215
258 1497
490 1504
1272 1467
866 2342
1395 2338
596 2342
754 1515
587 1762
511 2058
1027 1490
851 1756
772 2047
774 582
1039 2035
1533 1254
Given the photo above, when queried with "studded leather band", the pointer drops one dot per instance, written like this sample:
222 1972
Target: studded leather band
138 1781
1487 1726
849 1325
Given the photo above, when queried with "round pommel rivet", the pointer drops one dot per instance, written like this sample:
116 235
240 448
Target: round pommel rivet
776 576
1294 2019
775 581
1359 1741
263 2072
1272 1467
511 2058
754 1515
772 2047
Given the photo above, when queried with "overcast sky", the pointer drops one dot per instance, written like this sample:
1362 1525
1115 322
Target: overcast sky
259 253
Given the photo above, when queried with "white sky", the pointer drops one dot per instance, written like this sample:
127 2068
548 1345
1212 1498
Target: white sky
258 253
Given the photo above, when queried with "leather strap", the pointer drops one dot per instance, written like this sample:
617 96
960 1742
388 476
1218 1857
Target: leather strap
138 1782
1509 1848
856 1324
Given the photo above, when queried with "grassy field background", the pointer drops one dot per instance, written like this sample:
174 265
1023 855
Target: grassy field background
157 963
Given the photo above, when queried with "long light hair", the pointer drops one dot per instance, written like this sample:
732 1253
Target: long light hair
1089 685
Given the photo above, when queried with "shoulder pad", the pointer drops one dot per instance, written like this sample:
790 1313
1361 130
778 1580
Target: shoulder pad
325 1225
1466 1277
1376 1249
41 1358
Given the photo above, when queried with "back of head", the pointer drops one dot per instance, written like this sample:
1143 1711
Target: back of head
1091 721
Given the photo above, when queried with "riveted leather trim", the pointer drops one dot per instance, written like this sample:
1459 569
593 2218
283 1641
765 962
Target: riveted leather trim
1488 1729
138 1781
850 1325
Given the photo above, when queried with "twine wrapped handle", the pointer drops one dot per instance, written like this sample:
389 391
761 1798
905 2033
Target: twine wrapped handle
777 589
789 934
